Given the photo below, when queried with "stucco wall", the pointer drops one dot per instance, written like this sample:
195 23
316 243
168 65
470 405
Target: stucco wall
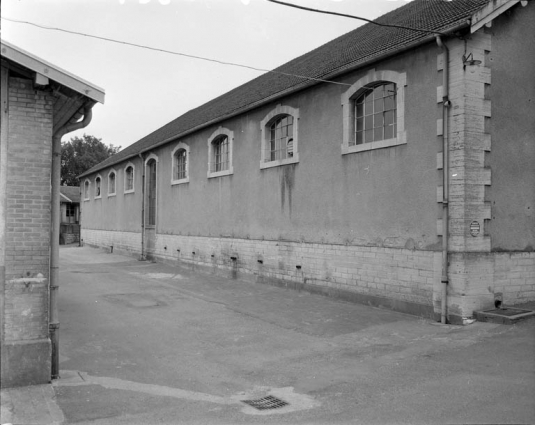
384 197
119 212
512 157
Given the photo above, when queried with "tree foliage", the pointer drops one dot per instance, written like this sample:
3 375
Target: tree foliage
80 154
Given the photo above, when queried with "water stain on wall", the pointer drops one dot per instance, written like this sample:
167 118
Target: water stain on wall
287 180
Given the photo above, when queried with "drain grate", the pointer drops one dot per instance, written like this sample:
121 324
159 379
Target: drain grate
506 316
268 402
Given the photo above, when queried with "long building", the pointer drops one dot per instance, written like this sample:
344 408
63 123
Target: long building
406 180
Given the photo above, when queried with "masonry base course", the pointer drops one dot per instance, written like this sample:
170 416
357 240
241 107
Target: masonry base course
400 279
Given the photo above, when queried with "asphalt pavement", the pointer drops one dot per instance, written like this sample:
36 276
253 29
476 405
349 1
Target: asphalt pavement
150 343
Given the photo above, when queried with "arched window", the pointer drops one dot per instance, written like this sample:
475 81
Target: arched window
375 114
220 153
86 190
180 161
280 143
129 178
220 160
180 164
98 180
111 183
279 137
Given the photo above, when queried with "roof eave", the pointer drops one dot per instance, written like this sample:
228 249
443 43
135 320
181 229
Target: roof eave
68 200
400 49
492 10
45 70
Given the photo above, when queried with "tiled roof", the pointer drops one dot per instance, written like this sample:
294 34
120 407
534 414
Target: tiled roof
344 53
71 192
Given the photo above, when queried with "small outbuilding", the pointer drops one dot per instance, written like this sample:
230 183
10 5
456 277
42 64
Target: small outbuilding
70 215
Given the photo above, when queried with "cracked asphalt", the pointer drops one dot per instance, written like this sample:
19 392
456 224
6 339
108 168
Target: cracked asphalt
148 343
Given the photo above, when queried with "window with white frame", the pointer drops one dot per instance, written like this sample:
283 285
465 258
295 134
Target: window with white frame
220 146
374 112
86 190
180 161
279 137
111 183
98 181
129 178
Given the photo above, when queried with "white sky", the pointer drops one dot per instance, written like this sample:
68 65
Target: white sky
146 89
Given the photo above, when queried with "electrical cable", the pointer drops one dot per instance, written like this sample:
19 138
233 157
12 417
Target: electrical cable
141 46
282 3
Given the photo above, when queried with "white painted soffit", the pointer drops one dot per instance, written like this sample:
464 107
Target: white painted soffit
492 10
47 70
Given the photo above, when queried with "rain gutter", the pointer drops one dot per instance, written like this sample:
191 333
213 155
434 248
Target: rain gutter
445 178
53 323
142 258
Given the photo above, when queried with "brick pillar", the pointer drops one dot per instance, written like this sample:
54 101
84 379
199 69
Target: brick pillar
26 235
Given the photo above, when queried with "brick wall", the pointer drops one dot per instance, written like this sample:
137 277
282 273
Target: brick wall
514 276
395 273
26 348
28 209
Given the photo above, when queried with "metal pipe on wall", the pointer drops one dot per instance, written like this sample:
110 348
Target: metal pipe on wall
142 208
445 178
55 212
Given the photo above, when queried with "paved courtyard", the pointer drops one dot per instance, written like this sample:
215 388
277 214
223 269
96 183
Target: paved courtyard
147 343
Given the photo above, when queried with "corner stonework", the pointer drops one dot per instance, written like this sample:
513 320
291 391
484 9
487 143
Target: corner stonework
470 268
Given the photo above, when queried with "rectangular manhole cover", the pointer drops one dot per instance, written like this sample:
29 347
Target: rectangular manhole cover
268 402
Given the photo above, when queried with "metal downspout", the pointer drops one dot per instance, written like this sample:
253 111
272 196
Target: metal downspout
142 208
445 178
53 323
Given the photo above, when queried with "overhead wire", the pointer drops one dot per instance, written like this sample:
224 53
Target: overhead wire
141 46
345 15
